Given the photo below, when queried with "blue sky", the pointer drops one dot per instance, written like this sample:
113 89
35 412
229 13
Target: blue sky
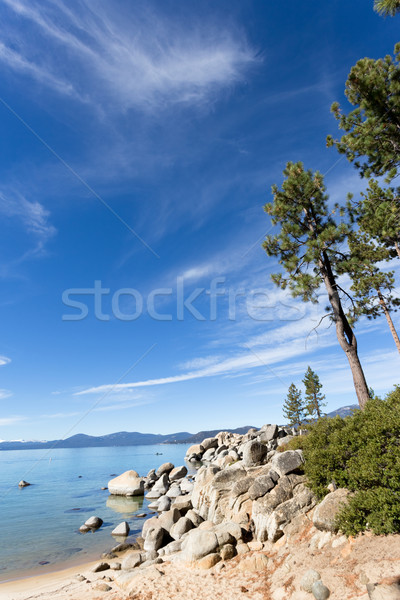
139 144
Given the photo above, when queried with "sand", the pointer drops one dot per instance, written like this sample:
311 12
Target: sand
346 565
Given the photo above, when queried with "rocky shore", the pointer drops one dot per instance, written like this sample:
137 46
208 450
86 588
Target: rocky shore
245 525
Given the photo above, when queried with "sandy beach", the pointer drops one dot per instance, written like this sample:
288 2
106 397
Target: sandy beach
346 566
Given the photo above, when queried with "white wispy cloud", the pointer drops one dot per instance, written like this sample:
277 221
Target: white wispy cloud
11 420
5 394
33 216
144 62
4 360
263 357
19 63
125 405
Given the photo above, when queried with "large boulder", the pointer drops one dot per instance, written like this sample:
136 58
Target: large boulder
180 528
163 504
154 539
199 543
302 502
254 453
174 491
183 503
213 495
326 512
127 484
149 524
160 488
132 560
169 518
209 443
178 473
194 517
195 449
287 462
230 528
164 468
268 433
208 454
261 486
263 507
151 475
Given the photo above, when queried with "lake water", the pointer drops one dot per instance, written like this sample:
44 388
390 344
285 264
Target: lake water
40 523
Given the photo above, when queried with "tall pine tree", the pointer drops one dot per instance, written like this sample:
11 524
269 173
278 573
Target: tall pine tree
293 408
308 248
372 287
314 399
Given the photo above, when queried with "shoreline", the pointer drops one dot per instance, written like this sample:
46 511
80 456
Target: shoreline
37 583
50 569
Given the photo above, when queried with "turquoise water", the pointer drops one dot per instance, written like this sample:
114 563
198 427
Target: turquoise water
40 523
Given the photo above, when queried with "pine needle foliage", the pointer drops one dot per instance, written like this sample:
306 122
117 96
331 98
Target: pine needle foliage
371 136
293 407
314 399
387 8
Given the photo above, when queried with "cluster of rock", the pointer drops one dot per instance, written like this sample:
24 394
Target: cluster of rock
246 491
249 480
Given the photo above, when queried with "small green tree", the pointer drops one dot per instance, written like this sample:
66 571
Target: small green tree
293 408
387 7
313 397
372 130
371 286
307 247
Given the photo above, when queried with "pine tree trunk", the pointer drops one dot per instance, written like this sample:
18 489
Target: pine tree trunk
317 408
344 332
396 245
389 320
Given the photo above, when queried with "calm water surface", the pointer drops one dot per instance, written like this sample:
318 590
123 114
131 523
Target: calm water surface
40 523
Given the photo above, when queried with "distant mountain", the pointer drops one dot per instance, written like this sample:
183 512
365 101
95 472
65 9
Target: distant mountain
344 411
122 438
135 438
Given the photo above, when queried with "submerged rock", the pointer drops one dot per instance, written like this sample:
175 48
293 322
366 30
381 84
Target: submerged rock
23 483
94 522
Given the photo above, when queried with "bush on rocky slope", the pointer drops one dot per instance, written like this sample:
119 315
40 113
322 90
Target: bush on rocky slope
361 453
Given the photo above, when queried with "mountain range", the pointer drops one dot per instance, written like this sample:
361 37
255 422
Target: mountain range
122 438
135 438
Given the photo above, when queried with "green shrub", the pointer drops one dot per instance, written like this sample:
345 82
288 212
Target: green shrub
362 453
377 509
295 443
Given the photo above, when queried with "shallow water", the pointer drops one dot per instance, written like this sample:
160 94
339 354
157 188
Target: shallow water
40 523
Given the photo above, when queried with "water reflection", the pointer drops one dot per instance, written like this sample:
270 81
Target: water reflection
124 505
